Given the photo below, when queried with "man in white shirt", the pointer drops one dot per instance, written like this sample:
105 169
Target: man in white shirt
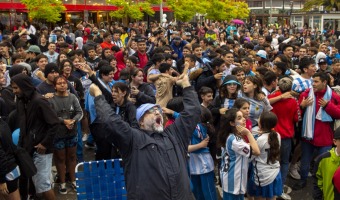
51 54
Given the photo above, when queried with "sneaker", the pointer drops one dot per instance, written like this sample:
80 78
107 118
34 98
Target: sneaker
85 137
62 188
287 189
284 196
293 172
299 185
90 146
74 186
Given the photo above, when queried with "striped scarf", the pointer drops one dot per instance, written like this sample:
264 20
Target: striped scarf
309 117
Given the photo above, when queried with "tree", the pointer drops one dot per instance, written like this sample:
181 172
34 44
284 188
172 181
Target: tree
132 9
241 10
328 4
226 10
49 10
185 10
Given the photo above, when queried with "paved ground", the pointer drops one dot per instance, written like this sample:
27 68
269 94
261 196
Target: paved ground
305 194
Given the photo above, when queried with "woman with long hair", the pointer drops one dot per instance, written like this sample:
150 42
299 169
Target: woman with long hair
140 92
228 92
43 43
251 91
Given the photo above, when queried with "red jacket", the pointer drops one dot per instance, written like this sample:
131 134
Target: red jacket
323 131
106 45
286 111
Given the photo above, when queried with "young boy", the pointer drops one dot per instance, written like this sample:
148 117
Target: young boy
325 166
93 59
207 95
239 73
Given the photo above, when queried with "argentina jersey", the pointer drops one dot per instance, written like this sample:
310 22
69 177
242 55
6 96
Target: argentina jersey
256 108
301 84
228 103
234 165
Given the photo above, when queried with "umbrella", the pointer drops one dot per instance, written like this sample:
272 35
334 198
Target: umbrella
237 21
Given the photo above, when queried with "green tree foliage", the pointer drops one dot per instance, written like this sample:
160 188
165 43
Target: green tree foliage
185 10
241 10
328 4
226 10
219 10
132 9
49 10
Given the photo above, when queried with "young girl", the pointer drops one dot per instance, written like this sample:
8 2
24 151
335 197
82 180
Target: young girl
266 181
243 106
251 91
236 154
201 163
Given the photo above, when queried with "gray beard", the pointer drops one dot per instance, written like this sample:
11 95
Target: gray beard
158 129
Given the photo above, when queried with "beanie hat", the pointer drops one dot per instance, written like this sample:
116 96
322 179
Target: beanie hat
49 68
141 110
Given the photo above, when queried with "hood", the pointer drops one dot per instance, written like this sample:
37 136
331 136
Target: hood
25 84
15 69
87 30
120 58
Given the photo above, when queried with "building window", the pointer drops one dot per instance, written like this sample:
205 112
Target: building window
255 4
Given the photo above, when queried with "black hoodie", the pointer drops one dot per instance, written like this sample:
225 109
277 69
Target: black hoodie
38 121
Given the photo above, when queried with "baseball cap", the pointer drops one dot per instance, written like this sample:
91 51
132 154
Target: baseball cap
177 38
262 54
57 28
34 49
141 110
230 79
322 60
140 39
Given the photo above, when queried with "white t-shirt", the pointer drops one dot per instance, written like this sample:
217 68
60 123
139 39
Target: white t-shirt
265 173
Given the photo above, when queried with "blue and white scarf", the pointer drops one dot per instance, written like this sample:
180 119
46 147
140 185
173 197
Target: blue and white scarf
309 117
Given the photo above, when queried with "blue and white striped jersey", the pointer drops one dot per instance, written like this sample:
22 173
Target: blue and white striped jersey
234 166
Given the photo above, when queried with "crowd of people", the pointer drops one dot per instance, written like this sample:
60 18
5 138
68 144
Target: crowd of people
189 107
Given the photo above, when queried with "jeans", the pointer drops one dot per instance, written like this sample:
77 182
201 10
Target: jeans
204 186
307 156
286 147
42 179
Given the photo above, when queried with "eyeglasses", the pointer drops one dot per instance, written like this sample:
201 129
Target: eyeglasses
153 110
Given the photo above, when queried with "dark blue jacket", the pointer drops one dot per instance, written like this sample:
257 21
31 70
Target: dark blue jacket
155 164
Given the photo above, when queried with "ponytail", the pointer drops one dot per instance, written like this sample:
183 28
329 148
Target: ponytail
274 152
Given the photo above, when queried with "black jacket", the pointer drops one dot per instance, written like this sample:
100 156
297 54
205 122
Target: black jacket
206 79
145 95
7 160
155 164
38 121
